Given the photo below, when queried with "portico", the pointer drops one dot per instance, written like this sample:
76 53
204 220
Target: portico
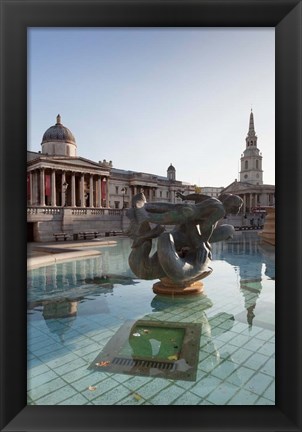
253 196
70 182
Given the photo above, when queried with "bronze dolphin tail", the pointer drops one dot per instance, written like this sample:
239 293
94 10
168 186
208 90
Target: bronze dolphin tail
178 268
144 266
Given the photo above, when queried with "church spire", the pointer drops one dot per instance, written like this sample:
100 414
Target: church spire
251 131
251 139
251 159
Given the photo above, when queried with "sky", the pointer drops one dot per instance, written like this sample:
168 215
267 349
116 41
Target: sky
147 97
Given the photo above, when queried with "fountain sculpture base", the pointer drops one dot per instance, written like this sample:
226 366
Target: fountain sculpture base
168 287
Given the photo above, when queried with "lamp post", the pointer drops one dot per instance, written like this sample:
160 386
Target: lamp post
85 199
123 190
104 194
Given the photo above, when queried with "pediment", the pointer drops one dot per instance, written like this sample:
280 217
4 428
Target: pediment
65 161
237 187
78 161
244 187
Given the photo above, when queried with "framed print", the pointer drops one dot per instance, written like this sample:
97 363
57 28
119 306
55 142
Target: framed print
129 348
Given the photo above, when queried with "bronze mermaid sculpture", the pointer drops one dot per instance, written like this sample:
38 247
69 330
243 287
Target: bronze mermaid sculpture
183 254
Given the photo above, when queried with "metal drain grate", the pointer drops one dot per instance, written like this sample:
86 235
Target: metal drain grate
143 363
152 348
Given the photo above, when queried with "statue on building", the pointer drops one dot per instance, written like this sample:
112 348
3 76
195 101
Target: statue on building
182 254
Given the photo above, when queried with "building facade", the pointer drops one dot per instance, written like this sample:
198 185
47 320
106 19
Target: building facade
125 184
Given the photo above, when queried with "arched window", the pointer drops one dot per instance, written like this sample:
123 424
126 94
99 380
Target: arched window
257 164
246 165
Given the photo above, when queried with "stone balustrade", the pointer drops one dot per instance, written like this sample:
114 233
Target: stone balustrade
78 211
44 210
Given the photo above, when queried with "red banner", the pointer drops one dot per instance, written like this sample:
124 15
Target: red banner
47 185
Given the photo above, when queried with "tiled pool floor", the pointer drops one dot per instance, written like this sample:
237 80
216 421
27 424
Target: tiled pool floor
71 319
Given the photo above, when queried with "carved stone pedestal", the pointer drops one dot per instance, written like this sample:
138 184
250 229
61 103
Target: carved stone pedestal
168 287
194 288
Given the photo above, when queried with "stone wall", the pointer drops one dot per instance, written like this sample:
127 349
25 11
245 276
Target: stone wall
71 222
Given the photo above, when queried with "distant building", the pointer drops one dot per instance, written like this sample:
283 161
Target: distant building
211 191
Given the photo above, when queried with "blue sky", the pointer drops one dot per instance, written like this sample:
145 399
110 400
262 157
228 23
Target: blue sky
148 97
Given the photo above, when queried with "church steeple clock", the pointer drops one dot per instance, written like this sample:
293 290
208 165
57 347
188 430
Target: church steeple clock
251 159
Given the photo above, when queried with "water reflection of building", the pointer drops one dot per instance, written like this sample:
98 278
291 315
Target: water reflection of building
111 265
248 258
57 289
60 309
64 309
63 276
59 314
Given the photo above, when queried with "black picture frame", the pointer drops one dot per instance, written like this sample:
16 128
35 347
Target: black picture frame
16 16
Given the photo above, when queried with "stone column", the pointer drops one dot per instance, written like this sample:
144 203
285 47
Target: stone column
63 189
91 191
42 187
31 189
53 189
104 187
250 202
73 191
82 197
95 190
244 204
99 192
107 192
35 188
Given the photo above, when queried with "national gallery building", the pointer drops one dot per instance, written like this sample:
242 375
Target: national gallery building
70 194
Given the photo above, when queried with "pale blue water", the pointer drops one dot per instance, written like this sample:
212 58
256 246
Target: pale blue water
75 308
